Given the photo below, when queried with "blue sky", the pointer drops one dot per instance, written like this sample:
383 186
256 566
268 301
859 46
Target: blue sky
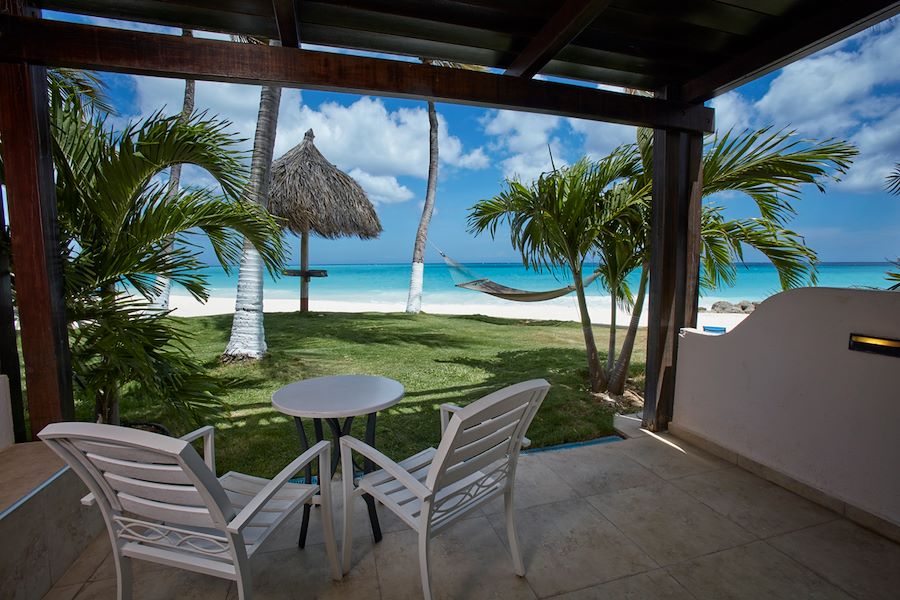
850 91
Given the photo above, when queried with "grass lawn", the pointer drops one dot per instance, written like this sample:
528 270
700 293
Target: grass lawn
437 358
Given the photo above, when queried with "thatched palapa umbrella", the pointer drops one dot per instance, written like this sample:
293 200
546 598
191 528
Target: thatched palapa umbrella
311 195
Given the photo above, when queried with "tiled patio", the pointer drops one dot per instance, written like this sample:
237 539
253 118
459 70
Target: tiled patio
644 518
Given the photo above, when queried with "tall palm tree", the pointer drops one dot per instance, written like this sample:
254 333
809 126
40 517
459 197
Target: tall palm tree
768 166
118 224
417 275
248 334
187 109
556 221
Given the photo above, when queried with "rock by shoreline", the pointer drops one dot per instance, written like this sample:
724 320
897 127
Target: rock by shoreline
742 307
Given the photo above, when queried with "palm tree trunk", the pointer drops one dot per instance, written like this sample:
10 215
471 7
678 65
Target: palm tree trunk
620 373
417 278
248 336
611 353
595 370
187 108
106 403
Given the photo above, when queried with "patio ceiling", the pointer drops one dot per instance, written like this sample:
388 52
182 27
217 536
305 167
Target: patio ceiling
695 48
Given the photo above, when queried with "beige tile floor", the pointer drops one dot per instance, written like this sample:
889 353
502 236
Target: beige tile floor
645 518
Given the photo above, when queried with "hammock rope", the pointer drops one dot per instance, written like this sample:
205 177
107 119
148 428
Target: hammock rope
470 281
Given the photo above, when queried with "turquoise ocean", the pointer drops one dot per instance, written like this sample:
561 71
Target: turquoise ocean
389 283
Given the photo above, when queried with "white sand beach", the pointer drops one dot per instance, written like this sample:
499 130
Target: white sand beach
185 306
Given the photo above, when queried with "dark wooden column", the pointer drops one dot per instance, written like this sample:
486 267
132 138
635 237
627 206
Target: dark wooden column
25 130
9 351
674 264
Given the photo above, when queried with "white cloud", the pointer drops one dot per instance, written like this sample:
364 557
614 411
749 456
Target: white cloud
733 112
366 135
602 138
527 140
829 93
364 138
846 92
879 142
382 189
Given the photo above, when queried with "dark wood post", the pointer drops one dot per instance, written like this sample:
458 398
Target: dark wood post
36 251
674 264
9 350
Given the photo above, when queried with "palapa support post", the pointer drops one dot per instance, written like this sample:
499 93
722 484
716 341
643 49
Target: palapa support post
304 268
36 250
674 264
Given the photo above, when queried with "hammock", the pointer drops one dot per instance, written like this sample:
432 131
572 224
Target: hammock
486 286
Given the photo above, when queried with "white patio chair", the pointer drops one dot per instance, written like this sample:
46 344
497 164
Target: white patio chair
474 463
162 503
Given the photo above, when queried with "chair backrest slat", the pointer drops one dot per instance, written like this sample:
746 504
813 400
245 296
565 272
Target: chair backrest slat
177 514
478 431
143 471
484 444
160 492
121 452
487 432
463 469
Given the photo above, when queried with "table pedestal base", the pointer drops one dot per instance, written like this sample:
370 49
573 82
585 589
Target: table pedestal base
338 429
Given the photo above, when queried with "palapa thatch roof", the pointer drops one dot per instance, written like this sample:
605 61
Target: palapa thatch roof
311 194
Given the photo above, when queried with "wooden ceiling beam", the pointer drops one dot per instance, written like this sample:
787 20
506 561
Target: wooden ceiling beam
563 27
815 29
287 19
58 44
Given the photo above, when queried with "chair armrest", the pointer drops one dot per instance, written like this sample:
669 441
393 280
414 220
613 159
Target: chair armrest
415 486
209 453
209 446
321 450
446 411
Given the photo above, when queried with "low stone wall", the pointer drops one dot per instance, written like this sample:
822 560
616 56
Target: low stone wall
42 534
783 392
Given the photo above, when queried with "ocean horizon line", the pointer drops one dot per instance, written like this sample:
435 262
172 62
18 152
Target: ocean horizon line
861 263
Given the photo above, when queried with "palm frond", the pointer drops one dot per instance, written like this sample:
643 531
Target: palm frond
83 90
893 181
772 166
723 241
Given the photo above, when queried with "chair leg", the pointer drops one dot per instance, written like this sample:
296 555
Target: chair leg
330 541
518 565
244 584
123 576
347 481
424 544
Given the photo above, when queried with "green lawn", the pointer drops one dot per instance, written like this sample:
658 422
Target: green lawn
437 358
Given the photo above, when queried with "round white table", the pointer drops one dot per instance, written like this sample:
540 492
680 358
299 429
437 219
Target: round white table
331 399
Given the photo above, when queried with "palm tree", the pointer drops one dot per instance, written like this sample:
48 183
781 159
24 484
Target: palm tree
187 109
768 166
556 221
248 335
118 223
417 275
417 278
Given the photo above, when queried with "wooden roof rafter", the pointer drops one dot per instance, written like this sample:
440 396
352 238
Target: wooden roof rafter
644 44
288 22
61 44
565 24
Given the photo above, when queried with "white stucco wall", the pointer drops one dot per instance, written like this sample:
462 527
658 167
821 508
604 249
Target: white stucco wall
784 390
